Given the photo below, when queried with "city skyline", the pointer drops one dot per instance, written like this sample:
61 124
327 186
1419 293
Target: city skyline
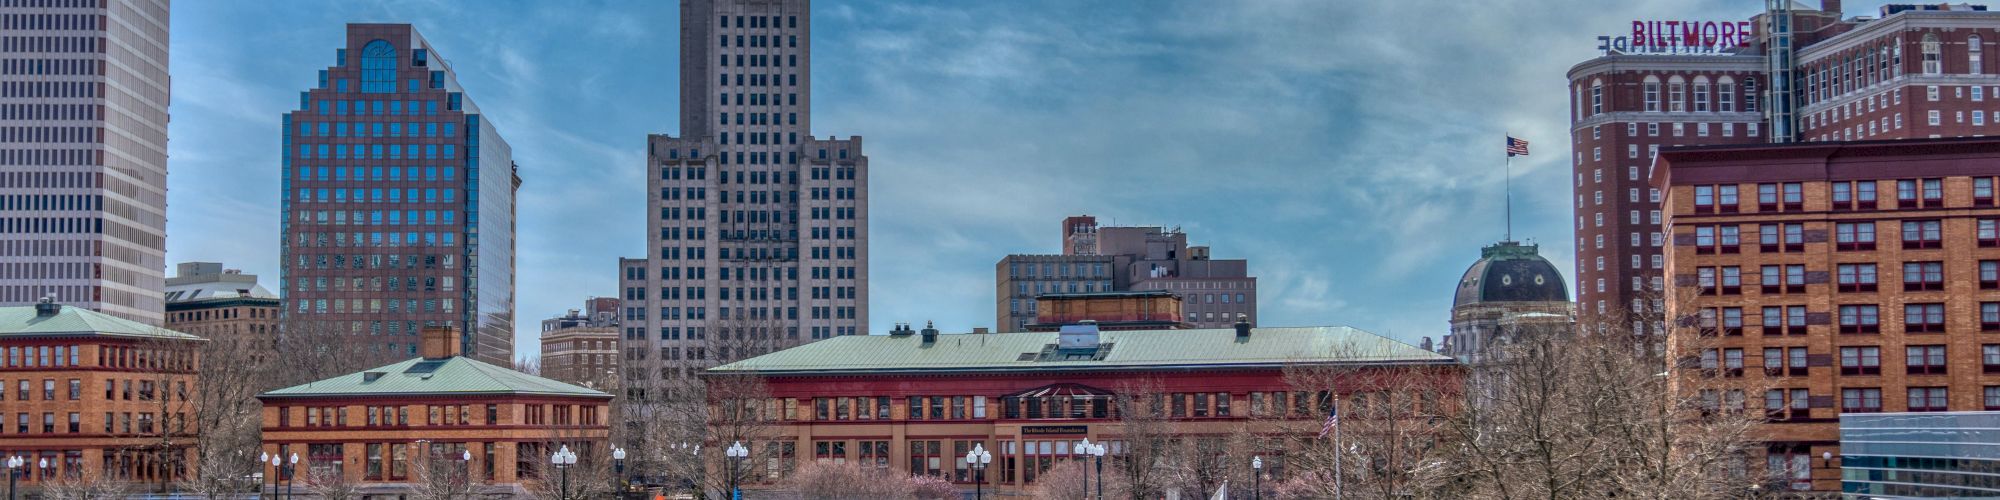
982 132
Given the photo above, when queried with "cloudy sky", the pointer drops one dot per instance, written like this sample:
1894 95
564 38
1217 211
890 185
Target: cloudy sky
1351 150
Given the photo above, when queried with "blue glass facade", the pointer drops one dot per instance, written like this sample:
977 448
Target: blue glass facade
1929 455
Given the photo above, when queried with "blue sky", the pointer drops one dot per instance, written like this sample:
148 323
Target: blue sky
1351 151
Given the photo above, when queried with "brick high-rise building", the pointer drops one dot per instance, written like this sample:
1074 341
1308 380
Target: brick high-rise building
582 347
1840 79
1117 259
758 231
83 173
398 202
1876 289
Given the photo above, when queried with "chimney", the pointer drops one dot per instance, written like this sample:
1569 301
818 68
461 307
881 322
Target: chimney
440 342
930 333
1242 326
981 331
902 330
47 307
1830 7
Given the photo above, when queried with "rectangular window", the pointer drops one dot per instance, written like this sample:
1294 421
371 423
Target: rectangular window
1928 399
1923 276
1924 359
1923 318
1860 318
1921 234
1860 400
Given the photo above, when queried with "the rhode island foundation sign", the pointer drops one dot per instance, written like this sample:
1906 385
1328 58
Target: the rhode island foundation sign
1680 38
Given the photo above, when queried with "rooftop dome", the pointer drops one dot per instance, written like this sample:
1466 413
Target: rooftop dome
1510 272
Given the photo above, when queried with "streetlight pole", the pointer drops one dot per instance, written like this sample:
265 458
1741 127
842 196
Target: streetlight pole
978 458
562 459
736 454
1082 449
1257 477
14 464
465 464
1097 451
291 468
618 467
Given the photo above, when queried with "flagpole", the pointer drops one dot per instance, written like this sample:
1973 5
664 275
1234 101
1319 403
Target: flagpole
1508 175
1339 454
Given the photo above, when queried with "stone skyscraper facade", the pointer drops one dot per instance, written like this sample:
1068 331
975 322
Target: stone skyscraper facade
398 203
757 231
83 155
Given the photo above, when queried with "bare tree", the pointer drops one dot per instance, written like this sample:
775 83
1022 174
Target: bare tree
848 481
1147 465
442 473
166 365
235 367
329 483
1066 480
74 487
1605 412
1392 428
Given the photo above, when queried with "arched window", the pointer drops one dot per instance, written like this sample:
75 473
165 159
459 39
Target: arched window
1896 59
1652 93
378 67
1596 96
1725 94
1972 56
1932 62
1701 94
1676 95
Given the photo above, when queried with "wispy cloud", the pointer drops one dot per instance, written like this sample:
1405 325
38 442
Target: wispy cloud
1348 149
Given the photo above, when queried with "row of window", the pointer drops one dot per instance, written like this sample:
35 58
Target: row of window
1857 277
393 173
377 151
1843 195
374 239
380 129
1848 236
1852 318
114 423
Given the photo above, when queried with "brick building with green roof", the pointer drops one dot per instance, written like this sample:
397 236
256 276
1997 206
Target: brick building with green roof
377 428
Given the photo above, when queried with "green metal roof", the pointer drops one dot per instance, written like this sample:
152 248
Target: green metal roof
457 375
21 321
1132 349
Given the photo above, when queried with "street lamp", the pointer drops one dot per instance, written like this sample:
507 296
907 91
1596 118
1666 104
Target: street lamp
14 464
618 467
562 460
978 458
1097 450
281 471
1082 449
736 453
465 464
1257 477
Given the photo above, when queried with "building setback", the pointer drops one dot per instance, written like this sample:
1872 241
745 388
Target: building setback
911 402
1915 72
1118 259
96 396
1876 289
582 347
398 203
758 231
83 169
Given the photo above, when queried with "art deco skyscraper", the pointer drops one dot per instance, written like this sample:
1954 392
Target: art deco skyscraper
757 231
398 203
83 154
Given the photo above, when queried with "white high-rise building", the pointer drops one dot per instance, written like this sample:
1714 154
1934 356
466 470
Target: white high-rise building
83 154
757 231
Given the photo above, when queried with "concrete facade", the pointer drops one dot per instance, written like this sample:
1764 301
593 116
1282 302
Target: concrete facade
757 230
208 301
581 347
83 173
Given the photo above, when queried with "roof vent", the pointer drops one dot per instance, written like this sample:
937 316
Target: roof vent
902 330
930 333
1082 335
1242 326
367 377
47 307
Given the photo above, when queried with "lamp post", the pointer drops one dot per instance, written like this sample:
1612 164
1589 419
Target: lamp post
1082 449
1097 451
281 472
562 459
978 458
1257 477
13 473
736 453
618 467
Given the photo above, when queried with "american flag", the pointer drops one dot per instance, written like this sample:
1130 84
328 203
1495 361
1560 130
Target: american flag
1332 419
1516 147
